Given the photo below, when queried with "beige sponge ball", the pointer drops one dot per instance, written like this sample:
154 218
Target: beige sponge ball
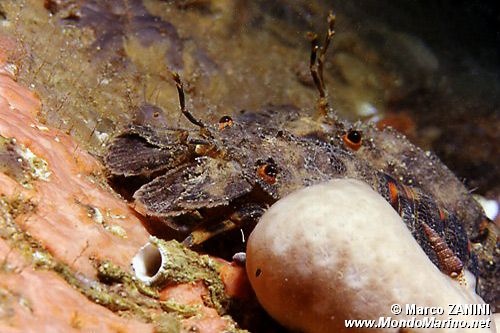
338 251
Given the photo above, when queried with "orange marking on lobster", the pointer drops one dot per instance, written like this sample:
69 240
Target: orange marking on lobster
393 192
409 193
442 217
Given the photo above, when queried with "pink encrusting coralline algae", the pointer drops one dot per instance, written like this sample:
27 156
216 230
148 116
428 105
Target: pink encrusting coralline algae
58 222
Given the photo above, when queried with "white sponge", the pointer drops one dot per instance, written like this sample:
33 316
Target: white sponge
338 251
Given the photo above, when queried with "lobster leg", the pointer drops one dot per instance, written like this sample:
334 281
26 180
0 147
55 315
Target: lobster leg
244 216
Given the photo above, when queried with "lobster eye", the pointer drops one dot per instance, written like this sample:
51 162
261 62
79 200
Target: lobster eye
224 122
268 171
353 139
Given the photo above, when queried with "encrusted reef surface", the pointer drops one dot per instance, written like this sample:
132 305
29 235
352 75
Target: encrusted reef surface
66 241
74 72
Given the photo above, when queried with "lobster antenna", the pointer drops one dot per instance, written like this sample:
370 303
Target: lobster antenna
182 101
313 67
317 60
329 35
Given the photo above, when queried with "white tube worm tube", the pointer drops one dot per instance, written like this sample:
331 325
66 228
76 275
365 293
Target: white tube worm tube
150 263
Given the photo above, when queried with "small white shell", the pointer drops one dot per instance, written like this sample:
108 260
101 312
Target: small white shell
149 263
